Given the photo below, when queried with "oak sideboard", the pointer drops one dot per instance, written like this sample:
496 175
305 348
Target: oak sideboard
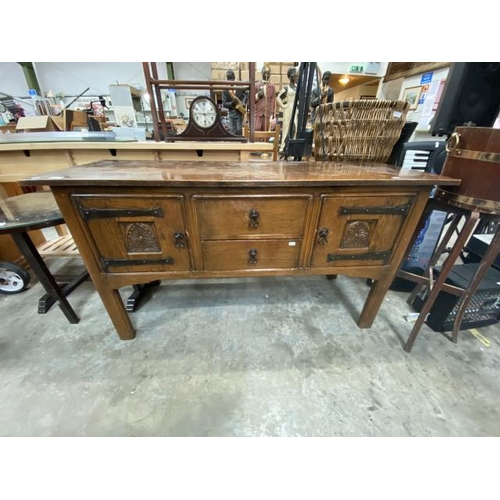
139 221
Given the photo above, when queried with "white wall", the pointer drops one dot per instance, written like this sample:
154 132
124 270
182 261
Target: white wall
12 80
72 78
390 90
357 92
192 70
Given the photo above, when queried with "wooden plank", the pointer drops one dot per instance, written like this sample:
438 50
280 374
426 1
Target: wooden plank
19 161
63 246
137 145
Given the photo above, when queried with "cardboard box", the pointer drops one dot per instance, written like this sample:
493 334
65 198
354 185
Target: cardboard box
58 122
74 119
218 74
36 124
275 68
224 65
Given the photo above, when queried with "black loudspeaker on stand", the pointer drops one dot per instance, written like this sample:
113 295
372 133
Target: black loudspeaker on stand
471 97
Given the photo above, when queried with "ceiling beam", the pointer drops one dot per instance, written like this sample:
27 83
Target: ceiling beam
397 70
30 76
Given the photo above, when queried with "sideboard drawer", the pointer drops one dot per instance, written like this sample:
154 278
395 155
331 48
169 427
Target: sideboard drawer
136 233
232 217
246 254
359 230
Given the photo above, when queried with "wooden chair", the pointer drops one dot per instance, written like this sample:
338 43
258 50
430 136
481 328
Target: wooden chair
267 136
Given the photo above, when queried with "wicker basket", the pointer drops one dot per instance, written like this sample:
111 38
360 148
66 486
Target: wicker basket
364 130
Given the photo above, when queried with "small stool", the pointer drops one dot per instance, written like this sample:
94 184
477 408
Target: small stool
474 157
470 217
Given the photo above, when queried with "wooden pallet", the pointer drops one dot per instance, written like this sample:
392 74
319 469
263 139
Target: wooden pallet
62 246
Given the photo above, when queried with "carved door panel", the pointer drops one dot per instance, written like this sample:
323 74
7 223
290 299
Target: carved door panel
359 230
136 233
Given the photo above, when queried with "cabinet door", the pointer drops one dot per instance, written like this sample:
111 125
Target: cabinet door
136 233
359 230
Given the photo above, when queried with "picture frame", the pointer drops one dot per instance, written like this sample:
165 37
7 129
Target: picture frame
412 95
188 101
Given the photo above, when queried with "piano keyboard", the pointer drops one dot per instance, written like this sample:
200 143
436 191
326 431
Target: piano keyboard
415 160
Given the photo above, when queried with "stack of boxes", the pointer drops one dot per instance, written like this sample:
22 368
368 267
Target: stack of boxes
241 70
278 73
218 69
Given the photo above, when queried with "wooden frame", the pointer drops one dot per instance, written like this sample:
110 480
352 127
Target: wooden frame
266 136
154 85
412 96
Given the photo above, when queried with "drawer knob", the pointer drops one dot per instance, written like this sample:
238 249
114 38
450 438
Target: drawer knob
254 218
323 236
252 254
180 240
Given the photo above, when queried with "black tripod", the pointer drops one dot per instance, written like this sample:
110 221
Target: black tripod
299 144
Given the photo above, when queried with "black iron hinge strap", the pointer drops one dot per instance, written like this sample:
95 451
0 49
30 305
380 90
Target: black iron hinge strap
103 213
106 263
400 209
360 256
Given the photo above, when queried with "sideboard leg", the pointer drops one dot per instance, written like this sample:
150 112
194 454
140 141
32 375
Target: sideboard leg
373 302
116 309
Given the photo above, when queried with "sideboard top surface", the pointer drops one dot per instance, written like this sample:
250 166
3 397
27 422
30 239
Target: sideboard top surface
227 174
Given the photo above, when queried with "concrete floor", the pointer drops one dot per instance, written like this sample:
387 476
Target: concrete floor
240 357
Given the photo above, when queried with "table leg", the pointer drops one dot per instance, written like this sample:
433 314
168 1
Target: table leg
48 300
485 264
113 303
374 300
28 249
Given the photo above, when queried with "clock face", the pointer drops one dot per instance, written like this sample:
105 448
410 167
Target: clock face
203 112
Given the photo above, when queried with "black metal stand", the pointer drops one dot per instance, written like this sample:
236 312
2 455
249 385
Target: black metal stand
297 146
41 271
137 295
48 300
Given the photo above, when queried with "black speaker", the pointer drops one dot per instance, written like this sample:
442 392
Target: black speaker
471 96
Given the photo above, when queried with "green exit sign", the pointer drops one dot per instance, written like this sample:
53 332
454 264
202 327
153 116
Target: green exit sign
356 69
